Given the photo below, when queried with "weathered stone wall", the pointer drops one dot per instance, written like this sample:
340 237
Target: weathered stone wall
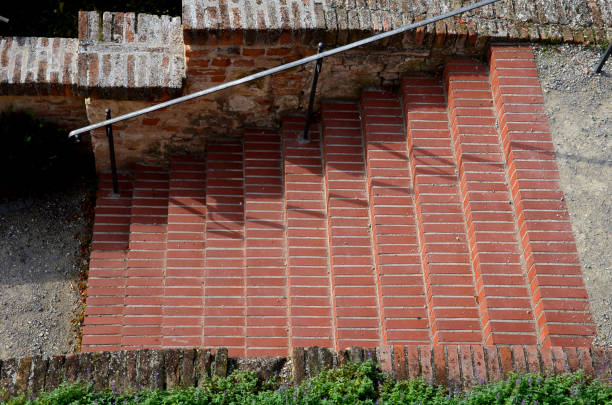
129 56
454 365
38 66
341 21
151 137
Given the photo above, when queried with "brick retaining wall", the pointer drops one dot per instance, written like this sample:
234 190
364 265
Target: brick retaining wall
463 365
63 111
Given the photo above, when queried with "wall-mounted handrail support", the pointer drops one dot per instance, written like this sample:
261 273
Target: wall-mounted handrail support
604 58
111 151
305 138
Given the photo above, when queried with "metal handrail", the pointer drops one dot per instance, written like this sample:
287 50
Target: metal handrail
281 68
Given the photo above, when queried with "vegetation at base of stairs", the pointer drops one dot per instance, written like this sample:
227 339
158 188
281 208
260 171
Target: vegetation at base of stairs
53 18
356 383
37 157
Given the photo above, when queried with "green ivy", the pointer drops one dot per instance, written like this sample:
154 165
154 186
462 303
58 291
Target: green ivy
361 383
53 18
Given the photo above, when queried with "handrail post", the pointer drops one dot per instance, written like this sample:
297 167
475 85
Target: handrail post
604 58
305 138
111 150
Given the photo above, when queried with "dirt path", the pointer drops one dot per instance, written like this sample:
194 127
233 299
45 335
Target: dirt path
579 108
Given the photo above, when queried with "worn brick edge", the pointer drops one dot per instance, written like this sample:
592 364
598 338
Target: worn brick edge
457 365
339 22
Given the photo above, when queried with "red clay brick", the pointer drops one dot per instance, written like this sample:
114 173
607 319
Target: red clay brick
231 263
547 360
386 362
399 363
480 365
520 363
373 104
306 232
342 144
429 216
586 360
440 365
572 358
425 365
414 368
533 360
454 365
467 367
601 362
559 359
515 131
505 357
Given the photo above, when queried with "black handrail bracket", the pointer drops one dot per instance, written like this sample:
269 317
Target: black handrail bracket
111 150
305 138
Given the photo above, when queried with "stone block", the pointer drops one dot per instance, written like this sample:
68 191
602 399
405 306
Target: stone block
36 381
24 369
54 373
219 365
187 368
172 361
298 364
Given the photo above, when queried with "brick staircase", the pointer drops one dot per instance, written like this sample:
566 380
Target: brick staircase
430 216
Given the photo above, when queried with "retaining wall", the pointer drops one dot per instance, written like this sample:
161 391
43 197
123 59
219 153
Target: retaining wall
454 365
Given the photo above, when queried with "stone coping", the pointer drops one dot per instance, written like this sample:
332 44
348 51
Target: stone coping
570 21
39 66
124 55
142 57
117 55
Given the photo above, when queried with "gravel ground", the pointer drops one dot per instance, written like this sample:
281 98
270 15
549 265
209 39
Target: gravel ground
579 108
39 264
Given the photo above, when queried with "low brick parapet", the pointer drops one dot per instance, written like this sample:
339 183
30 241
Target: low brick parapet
117 55
38 66
124 55
339 22
453 365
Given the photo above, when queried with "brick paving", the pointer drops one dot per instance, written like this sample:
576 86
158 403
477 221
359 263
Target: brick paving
428 216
